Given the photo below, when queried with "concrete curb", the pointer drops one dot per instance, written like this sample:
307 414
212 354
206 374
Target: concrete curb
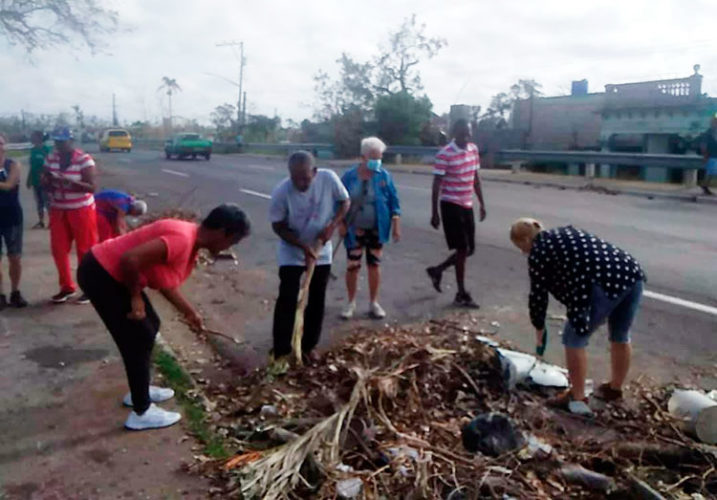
650 195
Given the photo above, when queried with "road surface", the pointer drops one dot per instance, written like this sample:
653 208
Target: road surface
676 243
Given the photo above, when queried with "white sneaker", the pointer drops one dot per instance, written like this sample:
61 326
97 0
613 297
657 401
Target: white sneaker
376 311
349 310
156 395
154 418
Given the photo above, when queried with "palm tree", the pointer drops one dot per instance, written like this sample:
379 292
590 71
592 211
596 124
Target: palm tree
170 85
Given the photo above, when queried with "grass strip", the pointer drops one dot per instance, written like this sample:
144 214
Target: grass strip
193 410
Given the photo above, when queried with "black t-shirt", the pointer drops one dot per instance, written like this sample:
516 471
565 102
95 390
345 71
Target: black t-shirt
567 262
10 209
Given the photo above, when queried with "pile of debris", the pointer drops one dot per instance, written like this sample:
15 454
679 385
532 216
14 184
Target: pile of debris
426 412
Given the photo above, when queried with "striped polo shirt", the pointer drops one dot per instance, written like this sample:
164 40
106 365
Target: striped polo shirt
60 197
458 167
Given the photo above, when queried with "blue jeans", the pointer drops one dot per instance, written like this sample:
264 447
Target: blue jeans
619 313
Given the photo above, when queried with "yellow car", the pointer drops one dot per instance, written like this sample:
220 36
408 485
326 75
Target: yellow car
116 138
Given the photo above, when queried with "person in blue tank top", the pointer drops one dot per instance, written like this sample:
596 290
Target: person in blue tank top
10 225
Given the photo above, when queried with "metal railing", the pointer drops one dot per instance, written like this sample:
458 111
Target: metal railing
687 162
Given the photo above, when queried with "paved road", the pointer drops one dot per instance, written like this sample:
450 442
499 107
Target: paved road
675 241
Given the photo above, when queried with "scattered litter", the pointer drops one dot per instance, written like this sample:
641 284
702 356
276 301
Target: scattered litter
491 434
590 479
488 341
269 411
535 447
383 413
698 411
349 488
548 375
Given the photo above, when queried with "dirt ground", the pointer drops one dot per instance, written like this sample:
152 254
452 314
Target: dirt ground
60 403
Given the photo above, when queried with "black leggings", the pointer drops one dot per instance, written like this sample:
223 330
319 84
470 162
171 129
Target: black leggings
135 339
285 309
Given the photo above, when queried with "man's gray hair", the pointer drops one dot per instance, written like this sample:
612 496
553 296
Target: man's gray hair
139 206
369 144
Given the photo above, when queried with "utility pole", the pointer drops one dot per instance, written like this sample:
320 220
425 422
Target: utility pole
114 111
243 116
241 111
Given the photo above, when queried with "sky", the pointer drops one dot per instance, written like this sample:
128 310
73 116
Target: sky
490 45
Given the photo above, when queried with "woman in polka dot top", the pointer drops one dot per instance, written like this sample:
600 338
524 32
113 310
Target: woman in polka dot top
597 282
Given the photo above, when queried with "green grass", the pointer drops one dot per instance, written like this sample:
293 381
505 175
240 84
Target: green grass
194 414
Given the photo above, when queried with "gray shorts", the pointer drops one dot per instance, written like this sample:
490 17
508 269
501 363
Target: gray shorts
619 313
12 238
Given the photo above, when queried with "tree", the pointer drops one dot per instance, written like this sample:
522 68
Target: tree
41 24
525 89
79 117
169 85
503 102
393 70
396 64
223 119
401 117
261 128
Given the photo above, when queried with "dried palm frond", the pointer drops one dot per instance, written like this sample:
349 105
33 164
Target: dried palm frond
278 472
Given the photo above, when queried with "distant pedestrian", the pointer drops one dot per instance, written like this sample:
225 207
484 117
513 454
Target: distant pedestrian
161 256
306 208
709 150
374 214
112 207
455 178
597 282
10 226
38 153
69 176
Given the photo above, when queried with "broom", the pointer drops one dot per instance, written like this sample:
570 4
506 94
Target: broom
298 332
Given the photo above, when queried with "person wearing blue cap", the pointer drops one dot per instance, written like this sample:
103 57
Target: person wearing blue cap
69 176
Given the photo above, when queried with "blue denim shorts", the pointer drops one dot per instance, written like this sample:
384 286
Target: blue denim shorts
619 313
11 236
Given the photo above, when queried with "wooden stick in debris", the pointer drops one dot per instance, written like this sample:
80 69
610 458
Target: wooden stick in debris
303 299
217 333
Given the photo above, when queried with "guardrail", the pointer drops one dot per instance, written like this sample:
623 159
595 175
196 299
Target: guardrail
601 158
690 164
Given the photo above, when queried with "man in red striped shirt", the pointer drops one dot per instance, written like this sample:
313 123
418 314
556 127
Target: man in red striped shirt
69 176
455 178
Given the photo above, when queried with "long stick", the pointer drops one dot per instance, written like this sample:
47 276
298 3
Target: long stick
303 299
333 257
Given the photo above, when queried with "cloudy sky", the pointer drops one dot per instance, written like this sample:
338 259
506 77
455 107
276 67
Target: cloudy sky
490 45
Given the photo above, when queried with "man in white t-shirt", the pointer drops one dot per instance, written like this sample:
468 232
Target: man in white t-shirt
305 210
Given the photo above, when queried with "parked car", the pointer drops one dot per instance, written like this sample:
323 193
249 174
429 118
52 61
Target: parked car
116 138
183 145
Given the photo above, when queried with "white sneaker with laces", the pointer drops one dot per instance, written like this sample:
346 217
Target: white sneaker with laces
349 310
376 311
154 418
156 395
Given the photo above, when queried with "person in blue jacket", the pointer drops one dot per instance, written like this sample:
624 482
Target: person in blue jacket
374 215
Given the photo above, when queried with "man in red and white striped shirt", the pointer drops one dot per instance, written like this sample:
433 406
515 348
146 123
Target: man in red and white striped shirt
455 178
69 175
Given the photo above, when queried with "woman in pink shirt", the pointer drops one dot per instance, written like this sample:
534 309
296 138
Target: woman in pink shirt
160 256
